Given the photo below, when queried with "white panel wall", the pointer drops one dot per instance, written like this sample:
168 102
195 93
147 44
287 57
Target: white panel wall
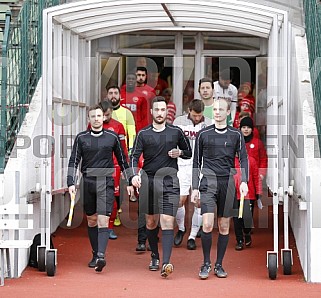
305 163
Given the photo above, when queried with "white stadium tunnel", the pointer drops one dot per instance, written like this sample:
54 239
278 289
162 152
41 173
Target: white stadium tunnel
86 44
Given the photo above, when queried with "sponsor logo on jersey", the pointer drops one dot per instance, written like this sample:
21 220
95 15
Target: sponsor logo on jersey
224 97
191 134
132 106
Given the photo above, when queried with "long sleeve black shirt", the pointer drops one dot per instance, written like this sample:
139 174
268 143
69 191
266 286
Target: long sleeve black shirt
214 153
95 151
154 145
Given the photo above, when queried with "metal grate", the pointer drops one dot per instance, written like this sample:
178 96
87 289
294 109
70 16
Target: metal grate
312 10
21 69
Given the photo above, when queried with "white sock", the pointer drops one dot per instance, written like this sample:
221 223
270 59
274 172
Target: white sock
180 218
196 223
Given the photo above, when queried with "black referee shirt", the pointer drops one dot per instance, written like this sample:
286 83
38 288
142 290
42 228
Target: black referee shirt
155 146
95 151
214 153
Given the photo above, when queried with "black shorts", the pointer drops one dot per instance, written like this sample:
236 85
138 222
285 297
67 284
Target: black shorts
97 194
159 195
218 192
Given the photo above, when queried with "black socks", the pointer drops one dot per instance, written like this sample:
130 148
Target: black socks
103 237
167 244
222 242
93 238
206 246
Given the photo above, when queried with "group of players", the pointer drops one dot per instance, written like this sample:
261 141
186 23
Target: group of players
193 156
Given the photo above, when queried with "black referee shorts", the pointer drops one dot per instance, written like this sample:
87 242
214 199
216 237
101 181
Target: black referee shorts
97 194
220 193
159 195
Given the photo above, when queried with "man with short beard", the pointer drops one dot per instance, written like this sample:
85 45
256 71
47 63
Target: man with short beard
93 150
161 144
122 114
206 91
143 87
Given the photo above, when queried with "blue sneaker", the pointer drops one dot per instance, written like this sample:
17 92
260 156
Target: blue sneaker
205 270
112 234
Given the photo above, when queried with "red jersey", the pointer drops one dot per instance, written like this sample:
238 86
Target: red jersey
256 149
160 86
254 183
149 94
137 104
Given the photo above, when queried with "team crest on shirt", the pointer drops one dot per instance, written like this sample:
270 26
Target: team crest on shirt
230 93
252 146
135 99
145 92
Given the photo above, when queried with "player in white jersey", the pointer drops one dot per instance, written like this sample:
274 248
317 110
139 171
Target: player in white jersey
224 89
190 123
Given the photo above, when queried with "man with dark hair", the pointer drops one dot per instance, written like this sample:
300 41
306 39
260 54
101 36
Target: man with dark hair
143 87
206 91
191 124
135 101
161 144
122 114
126 118
94 148
224 89
214 157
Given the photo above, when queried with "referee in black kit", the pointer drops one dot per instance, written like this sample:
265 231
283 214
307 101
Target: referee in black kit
215 149
161 144
94 148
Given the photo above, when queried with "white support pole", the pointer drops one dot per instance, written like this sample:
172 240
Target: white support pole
178 73
44 119
199 64
272 122
286 54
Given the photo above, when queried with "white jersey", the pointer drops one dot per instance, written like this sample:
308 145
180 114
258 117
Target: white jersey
229 93
190 130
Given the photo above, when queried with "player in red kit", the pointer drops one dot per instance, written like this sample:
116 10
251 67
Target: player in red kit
135 101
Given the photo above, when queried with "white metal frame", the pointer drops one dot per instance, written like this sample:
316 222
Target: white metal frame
84 21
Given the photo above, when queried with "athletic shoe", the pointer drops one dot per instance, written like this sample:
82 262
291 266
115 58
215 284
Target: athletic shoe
100 264
179 237
141 247
133 198
239 245
219 271
205 270
167 269
154 263
112 234
191 245
117 221
248 240
92 263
